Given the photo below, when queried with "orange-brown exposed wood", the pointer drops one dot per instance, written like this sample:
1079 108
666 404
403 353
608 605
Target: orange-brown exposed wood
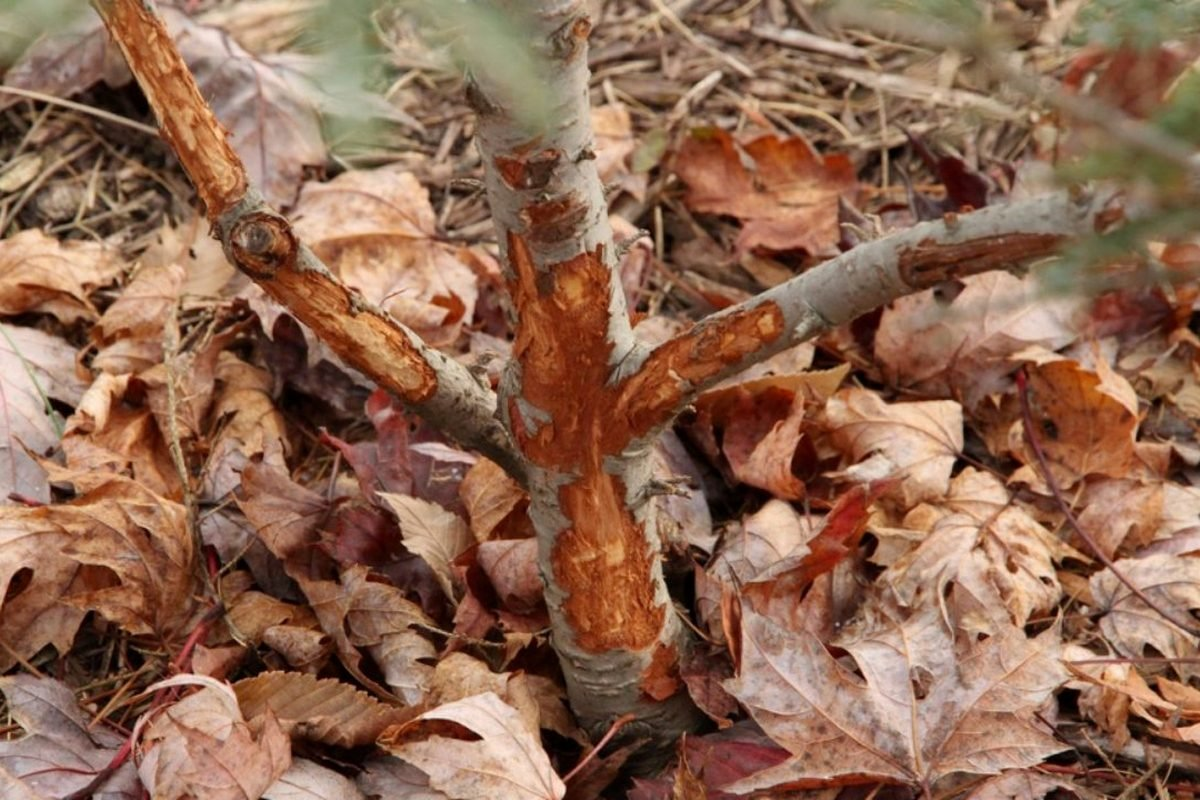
261 243
186 121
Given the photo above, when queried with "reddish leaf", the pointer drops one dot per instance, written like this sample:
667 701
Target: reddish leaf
843 529
786 194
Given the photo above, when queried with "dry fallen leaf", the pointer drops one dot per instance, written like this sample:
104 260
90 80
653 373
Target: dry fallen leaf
35 368
380 618
35 575
274 127
307 780
1130 626
143 541
962 348
476 747
40 274
786 194
918 443
996 555
927 706
1087 421
201 746
250 426
60 752
318 709
432 532
763 539
377 231
131 331
615 142
490 497
112 433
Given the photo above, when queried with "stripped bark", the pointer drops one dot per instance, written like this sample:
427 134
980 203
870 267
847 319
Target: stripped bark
616 634
581 401
259 241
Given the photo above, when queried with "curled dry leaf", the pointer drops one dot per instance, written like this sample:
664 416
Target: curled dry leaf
995 554
779 592
60 752
34 368
512 568
250 426
40 274
130 333
476 747
927 705
143 540
380 618
202 746
917 443
490 497
764 428
112 434
786 195
35 575
317 709
1130 626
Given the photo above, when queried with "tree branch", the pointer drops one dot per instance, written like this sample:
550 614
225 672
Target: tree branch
260 242
854 283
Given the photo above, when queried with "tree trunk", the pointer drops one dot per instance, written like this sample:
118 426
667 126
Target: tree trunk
614 629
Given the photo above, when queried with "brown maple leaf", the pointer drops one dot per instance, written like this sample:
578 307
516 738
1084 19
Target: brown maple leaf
926 706
785 194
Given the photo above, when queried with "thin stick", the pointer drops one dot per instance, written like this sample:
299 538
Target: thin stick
618 723
98 113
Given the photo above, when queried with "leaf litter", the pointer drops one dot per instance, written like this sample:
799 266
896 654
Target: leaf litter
888 587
